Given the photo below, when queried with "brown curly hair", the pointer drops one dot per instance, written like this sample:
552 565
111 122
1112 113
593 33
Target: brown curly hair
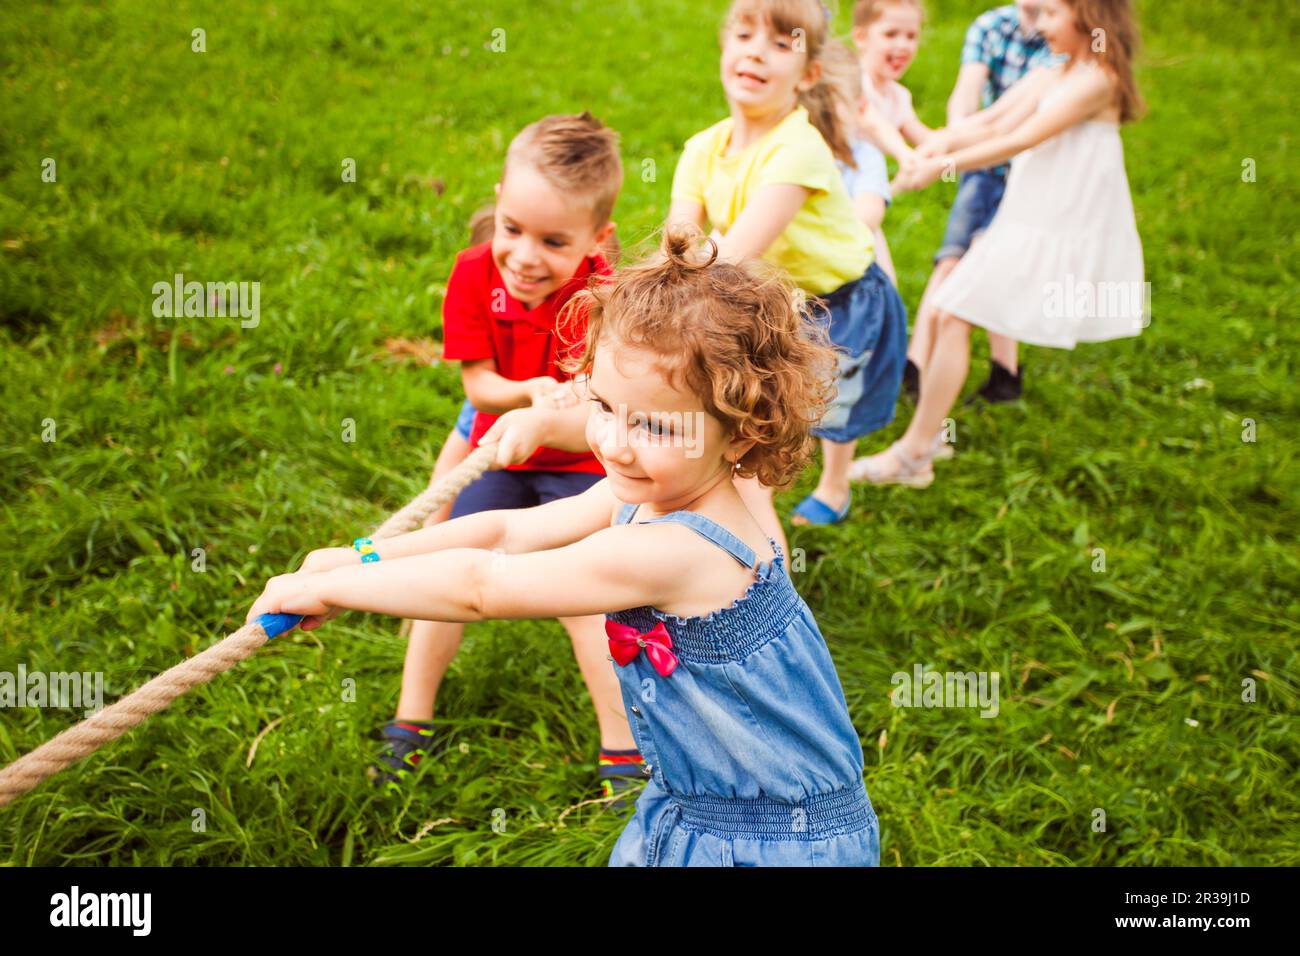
739 335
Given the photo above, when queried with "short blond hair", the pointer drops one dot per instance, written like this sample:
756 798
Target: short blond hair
575 153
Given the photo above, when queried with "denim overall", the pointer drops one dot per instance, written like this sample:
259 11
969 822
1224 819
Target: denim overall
753 760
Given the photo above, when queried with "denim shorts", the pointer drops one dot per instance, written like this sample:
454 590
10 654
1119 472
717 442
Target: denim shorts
979 193
495 490
465 420
868 325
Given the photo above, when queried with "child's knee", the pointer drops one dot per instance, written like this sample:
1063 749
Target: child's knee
950 324
945 266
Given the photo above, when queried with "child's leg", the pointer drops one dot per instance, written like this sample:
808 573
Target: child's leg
429 651
591 648
758 499
432 644
421 675
923 334
945 375
833 485
1004 351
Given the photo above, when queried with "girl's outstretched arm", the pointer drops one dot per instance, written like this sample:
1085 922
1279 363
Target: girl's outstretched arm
914 131
764 218
686 210
615 568
522 431
1082 98
885 135
1004 115
550 525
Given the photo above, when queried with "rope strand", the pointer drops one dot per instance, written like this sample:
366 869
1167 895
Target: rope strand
84 738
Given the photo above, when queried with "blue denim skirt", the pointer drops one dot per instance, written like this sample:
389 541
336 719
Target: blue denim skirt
868 325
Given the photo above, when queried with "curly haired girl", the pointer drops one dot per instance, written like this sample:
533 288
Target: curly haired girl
697 370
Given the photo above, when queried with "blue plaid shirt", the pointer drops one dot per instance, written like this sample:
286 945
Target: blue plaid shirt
996 40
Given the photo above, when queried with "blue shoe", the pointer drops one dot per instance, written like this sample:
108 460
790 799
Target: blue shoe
817 512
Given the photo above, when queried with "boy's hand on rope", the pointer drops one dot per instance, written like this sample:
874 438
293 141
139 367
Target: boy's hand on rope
298 593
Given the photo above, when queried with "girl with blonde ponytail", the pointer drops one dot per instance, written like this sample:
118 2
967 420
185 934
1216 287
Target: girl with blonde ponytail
765 179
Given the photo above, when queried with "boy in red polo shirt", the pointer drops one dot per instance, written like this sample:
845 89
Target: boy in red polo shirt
557 191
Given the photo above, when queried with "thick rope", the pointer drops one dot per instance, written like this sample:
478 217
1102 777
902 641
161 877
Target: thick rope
112 722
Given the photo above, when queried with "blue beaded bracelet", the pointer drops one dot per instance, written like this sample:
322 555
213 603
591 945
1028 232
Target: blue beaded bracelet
367 549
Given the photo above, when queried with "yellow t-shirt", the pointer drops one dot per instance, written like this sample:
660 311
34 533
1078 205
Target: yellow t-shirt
825 245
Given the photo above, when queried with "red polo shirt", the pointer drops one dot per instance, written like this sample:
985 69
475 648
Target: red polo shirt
524 342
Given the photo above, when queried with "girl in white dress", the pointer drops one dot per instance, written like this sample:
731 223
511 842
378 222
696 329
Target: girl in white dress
1061 262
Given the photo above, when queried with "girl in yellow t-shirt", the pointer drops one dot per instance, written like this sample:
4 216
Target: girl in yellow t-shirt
765 178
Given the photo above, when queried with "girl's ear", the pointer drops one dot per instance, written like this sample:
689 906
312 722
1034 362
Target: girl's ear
811 77
738 449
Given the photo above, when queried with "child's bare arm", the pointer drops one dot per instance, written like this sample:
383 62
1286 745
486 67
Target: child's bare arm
965 98
521 432
550 525
491 392
914 131
560 522
870 209
615 568
884 134
764 218
686 210
1012 108
1083 98
487 530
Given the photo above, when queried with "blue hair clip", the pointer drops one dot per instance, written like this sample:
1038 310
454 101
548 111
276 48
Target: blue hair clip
829 16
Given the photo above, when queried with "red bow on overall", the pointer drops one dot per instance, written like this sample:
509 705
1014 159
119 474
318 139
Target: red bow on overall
625 643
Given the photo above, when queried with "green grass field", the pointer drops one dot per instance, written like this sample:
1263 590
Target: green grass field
1122 689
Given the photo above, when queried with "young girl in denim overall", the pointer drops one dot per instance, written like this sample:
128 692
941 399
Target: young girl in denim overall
697 371
747 737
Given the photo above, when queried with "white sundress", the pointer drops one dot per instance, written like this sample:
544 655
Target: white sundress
1061 262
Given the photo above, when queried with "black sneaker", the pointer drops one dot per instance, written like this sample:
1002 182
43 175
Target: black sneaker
912 380
1002 385
406 743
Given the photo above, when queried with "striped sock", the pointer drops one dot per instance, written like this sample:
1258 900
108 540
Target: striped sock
416 725
608 757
